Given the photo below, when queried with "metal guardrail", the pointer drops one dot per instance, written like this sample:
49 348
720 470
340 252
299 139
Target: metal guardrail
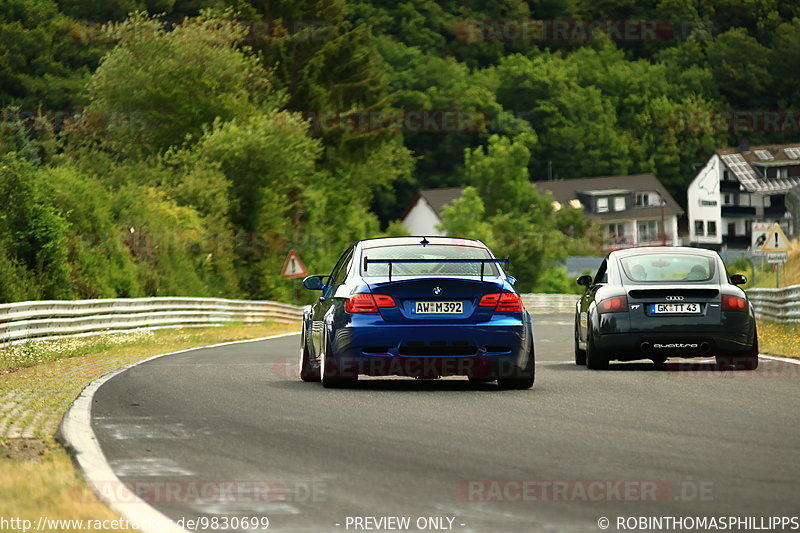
40 320
777 305
47 319
550 303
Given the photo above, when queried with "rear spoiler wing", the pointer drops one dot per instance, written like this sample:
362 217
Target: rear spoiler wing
390 262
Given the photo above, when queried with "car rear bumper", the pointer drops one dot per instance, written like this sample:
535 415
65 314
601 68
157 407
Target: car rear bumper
485 350
631 346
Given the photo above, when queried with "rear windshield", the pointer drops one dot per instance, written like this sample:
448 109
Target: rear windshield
668 267
430 251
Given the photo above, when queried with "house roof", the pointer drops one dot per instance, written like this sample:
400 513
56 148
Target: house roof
745 165
436 198
566 190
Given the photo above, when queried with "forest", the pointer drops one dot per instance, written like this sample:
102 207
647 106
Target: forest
183 147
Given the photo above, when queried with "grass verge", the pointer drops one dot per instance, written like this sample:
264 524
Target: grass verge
779 339
38 383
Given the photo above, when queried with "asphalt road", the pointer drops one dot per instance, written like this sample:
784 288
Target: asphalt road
632 441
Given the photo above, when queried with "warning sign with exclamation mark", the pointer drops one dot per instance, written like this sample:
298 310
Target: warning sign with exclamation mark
293 267
776 241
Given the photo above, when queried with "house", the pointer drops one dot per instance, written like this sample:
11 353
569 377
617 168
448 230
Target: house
793 207
739 186
632 210
423 214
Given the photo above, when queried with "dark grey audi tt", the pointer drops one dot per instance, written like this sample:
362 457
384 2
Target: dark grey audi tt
654 303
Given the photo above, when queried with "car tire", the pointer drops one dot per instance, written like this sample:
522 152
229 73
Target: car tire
595 358
309 371
521 378
749 361
330 373
580 355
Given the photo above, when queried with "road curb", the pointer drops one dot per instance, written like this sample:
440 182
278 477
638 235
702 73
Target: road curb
76 435
778 358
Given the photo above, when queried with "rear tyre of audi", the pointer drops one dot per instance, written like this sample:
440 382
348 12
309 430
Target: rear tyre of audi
580 355
596 359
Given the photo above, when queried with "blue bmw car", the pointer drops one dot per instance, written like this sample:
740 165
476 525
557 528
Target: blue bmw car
422 307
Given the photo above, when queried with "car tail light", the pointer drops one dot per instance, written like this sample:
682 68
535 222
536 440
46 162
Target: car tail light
617 304
510 302
489 300
734 303
368 303
504 302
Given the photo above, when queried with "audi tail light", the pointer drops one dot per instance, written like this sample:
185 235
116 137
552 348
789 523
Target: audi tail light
617 304
734 304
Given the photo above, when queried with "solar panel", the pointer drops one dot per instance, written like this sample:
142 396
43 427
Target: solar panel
742 170
763 155
792 153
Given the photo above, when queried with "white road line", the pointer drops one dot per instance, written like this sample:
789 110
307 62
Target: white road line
778 358
76 434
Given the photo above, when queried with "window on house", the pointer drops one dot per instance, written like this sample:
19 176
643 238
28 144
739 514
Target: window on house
616 233
602 205
712 227
783 172
699 227
727 200
611 230
619 203
648 231
642 199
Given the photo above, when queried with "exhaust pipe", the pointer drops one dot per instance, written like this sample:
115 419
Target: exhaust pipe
644 347
705 347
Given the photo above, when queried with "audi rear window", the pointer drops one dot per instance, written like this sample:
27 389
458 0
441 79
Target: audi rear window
668 267
432 252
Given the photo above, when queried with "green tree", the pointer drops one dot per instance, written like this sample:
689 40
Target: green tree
160 86
786 67
741 67
43 65
510 215
33 232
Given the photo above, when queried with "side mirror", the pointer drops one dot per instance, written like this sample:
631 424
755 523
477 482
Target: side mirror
512 280
584 280
738 279
314 283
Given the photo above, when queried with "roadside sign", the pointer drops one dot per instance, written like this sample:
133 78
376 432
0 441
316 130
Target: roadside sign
760 231
777 257
776 241
293 267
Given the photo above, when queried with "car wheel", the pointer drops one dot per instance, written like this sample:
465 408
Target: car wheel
309 371
749 361
595 358
521 378
580 355
330 373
